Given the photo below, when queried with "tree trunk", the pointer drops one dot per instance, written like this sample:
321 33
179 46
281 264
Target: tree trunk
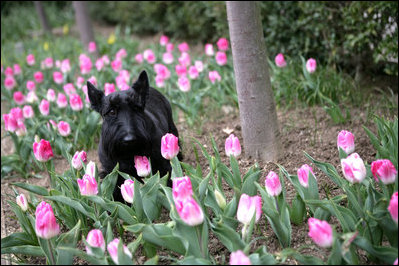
42 16
83 23
255 96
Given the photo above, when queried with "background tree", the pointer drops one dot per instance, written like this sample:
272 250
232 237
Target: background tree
83 22
42 16
255 97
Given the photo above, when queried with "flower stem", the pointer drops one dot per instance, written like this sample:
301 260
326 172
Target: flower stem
51 252
199 240
275 199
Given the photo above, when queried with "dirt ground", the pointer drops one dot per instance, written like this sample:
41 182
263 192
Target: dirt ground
309 130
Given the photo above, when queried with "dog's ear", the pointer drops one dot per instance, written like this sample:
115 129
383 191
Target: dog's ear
96 97
141 88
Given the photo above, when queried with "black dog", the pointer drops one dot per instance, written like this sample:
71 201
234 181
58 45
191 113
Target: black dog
134 122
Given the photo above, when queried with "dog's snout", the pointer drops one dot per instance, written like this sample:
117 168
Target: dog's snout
129 138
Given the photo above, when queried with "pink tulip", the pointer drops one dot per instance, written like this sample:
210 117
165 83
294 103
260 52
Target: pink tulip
221 58
19 98
167 58
80 81
38 76
180 70
53 123
303 174
64 128
163 41
272 184
189 211
42 150
31 97
346 141
159 81
142 166
88 185
93 80
184 83
384 170
311 65
69 89
239 258
116 65
199 65
58 77
279 60
9 71
169 47
30 85
10 123
75 102
91 169
213 76
109 88
393 207
95 239
48 62
149 56
232 146
9 83
127 190
17 69
66 66
22 202
182 188
21 130
169 146
162 71
183 47
30 59
248 207
44 107
99 64
62 101
28 111
395 262
353 168
193 72
112 248
46 224
50 95
223 44
121 53
92 47
85 64
139 58
209 49
77 159
321 232
184 59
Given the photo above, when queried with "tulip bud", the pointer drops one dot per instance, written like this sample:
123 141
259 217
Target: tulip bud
272 184
182 188
127 190
142 166
248 207
42 150
320 232
95 239
169 146
279 60
189 211
220 199
77 159
303 174
353 168
22 202
239 258
384 170
112 248
46 224
232 146
88 185
311 65
346 141
393 207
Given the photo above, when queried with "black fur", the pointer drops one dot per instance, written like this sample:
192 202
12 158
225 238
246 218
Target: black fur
134 122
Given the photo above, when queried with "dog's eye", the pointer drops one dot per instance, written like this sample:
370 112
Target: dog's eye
112 112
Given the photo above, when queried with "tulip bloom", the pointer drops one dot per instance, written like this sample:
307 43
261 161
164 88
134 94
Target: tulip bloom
163 41
169 47
62 101
17 69
311 65
169 146
50 95
9 71
189 211
77 159
353 168
112 248
221 58
91 169
213 76
22 202
279 60
272 184
346 141
88 185
92 47
321 232
28 111
167 58
127 190
142 166
76 102
193 72
38 76
44 107
209 49
183 47
393 207
30 59
149 56
66 66
109 88
199 65
182 188
42 150
46 224
184 59
64 128
58 77
116 65
248 207
30 85
232 146
223 44
19 97
239 258
139 58
384 170
303 174
9 83
184 84
95 239
180 70
48 62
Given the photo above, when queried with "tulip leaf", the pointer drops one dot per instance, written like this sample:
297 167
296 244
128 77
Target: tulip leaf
384 253
17 239
248 186
123 258
74 204
226 174
24 221
190 260
68 239
109 182
236 172
229 237
83 255
25 250
32 188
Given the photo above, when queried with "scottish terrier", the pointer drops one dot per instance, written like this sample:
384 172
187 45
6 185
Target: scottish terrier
134 122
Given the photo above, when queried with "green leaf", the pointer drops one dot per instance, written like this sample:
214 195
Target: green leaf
81 254
298 210
25 250
248 187
32 188
17 239
68 239
229 237
89 212
236 172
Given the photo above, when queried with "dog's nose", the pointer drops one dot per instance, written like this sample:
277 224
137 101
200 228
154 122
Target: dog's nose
129 138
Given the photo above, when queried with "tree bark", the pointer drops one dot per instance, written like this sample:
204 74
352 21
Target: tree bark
83 22
255 96
42 16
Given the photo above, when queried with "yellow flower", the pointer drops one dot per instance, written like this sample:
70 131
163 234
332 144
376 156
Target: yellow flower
111 38
45 46
65 29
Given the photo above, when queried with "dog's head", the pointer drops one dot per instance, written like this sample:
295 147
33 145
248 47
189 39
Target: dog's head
124 128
